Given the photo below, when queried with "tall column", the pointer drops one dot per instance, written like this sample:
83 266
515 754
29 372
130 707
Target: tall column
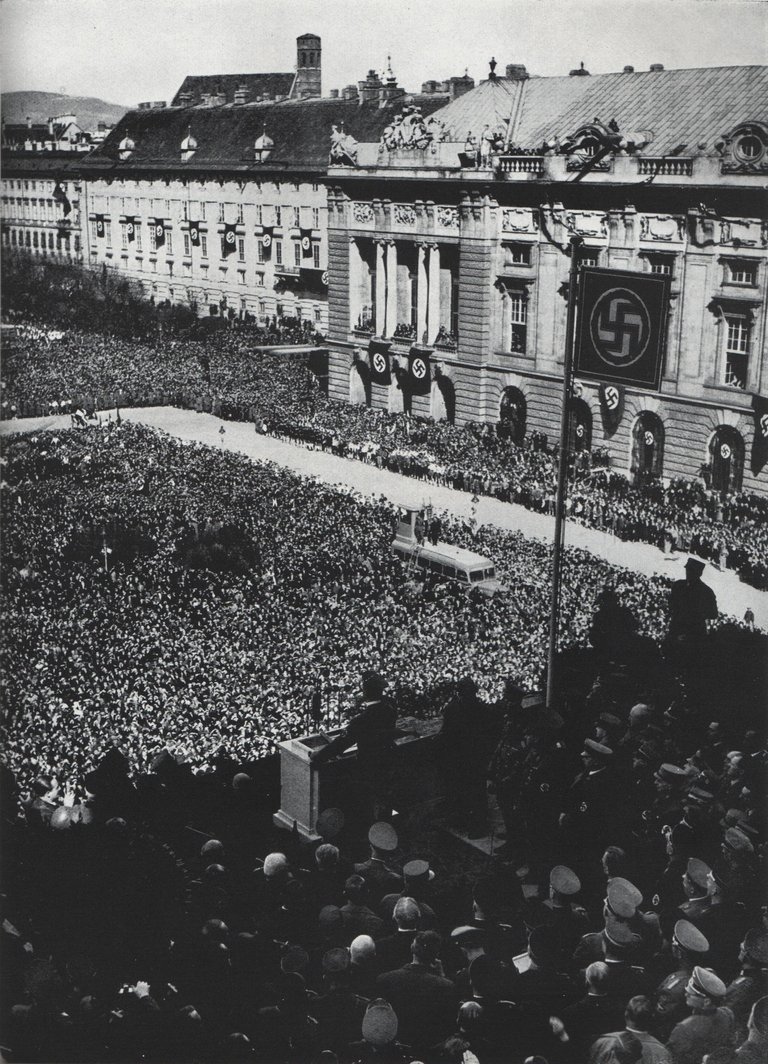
391 272
433 306
381 289
421 293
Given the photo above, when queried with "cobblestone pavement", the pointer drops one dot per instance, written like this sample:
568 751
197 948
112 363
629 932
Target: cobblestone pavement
733 596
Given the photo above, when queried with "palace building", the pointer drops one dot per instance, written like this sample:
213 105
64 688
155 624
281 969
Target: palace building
449 243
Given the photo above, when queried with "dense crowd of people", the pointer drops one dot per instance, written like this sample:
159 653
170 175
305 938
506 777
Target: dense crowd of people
223 373
170 612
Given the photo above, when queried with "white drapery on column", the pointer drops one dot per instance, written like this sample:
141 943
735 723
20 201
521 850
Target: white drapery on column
381 289
433 308
421 294
391 271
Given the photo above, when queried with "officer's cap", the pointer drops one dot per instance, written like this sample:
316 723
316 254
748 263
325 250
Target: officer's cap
383 836
564 880
698 872
468 936
418 872
736 840
619 935
689 938
704 981
647 752
700 796
599 750
336 960
756 945
610 720
671 774
379 1023
623 898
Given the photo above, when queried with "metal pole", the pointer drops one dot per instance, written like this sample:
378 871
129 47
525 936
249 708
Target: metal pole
562 476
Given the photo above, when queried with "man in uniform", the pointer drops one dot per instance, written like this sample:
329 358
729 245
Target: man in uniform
752 981
689 947
373 730
568 918
710 1024
755 1049
380 877
585 822
691 604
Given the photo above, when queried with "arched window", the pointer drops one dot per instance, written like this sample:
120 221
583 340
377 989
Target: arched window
359 385
443 399
726 450
579 427
512 415
647 448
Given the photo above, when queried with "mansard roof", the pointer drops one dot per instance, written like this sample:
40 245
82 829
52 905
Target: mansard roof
679 107
225 135
266 85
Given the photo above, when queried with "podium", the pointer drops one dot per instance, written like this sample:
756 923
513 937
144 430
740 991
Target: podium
307 789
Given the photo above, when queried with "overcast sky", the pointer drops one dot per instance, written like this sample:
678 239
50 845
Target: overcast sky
129 50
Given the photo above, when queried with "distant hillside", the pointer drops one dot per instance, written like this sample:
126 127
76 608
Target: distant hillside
40 106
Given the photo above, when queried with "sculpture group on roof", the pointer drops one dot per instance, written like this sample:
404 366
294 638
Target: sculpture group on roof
343 147
409 129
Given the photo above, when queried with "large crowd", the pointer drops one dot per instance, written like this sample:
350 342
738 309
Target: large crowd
227 375
169 612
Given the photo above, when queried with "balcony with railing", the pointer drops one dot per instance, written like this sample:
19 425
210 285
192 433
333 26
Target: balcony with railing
516 163
665 166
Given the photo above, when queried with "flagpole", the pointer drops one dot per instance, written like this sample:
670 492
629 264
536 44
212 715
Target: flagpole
562 476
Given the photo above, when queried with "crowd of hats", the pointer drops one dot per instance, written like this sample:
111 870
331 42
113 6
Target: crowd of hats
281 395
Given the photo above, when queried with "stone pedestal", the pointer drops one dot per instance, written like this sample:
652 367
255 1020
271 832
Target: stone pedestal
300 786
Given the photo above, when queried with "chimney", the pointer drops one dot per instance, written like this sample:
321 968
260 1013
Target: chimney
308 80
185 99
159 103
369 89
349 92
29 122
656 66
428 87
334 94
50 127
241 94
580 72
517 72
628 70
458 86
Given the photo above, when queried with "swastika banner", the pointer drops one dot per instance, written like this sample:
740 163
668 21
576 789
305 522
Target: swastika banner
419 376
378 356
760 443
622 327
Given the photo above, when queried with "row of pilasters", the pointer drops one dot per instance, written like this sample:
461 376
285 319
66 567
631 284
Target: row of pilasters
427 290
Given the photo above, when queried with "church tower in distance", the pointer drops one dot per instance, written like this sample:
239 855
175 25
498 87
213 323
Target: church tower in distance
308 70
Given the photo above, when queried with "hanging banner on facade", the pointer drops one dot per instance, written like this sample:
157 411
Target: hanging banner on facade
760 443
611 406
194 234
130 228
266 241
100 228
378 356
228 240
419 377
60 197
622 327
159 228
305 239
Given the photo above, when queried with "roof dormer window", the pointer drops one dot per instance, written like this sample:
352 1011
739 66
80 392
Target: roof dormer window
126 147
188 147
263 147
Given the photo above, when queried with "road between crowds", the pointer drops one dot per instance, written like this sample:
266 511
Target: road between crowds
733 596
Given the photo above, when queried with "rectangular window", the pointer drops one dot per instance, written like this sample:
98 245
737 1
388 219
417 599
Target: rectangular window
297 217
278 215
518 254
138 205
317 315
123 236
108 230
152 239
241 248
167 208
259 279
279 310
187 246
259 251
241 276
202 210
221 212
518 318
316 256
262 307
259 214
137 231
169 242
589 257
315 217
240 214
737 342
185 211
741 271
204 245
661 265
296 253
278 252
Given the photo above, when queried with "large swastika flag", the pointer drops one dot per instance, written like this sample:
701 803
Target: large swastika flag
622 327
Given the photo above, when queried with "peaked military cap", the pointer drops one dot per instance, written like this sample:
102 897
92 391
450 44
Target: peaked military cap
379 1023
598 749
736 840
689 938
564 880
700 796
383 836
611 720
620 935
668 773
623 898
466 935
698 872
704 981
418 871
